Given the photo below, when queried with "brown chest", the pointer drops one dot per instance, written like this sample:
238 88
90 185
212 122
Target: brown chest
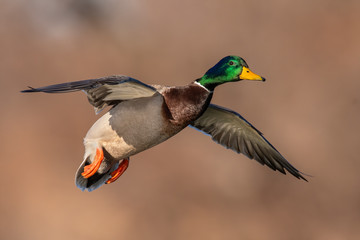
184 104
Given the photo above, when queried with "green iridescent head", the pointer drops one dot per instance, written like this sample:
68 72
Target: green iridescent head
228 69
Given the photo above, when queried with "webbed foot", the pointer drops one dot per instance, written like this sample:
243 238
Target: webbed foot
119 171
91 169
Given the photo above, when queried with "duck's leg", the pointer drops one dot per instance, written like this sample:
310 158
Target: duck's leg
91 169
119 171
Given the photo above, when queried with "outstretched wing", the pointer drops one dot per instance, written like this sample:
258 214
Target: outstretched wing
231 130
102 92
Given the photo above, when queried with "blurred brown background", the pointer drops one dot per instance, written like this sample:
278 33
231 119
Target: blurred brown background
187 187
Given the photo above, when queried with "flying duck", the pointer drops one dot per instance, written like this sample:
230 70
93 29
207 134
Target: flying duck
141 116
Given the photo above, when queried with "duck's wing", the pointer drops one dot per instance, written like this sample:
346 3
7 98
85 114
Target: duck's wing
102 92
231 130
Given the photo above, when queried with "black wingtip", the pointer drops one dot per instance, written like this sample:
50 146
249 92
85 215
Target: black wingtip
304 174
298 174
31 89
301 177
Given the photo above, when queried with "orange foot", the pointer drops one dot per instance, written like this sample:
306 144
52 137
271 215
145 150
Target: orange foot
119 171
91 169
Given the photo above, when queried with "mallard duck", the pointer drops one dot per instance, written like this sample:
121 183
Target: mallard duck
142 116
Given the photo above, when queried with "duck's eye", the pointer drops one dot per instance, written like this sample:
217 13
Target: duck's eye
231 63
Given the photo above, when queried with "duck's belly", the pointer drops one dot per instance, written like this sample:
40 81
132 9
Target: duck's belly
131 127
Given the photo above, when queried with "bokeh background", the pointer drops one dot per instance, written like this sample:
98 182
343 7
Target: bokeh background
187 187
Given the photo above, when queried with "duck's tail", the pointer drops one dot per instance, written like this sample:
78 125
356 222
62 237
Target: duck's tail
96 180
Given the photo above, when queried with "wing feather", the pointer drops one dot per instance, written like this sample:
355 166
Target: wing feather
102 92
231 130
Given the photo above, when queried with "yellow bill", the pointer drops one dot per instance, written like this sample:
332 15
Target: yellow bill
246 74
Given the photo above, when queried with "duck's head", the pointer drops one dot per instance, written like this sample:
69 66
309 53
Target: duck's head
228 69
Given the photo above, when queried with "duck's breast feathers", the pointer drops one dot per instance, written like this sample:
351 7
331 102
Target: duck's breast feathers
104 91
186 103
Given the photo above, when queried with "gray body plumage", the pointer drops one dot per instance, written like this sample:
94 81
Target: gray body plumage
128 128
